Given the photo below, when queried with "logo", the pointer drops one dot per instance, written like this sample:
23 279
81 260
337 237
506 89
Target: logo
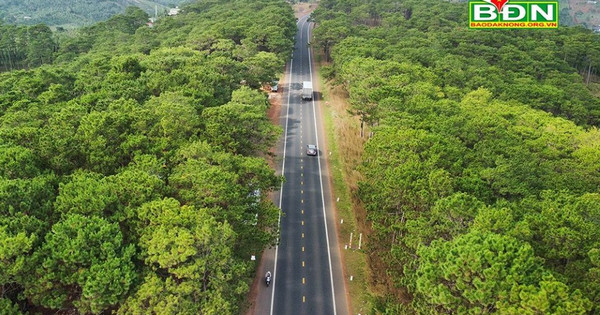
513 14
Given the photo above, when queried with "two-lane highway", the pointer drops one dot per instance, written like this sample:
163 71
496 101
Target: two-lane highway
307 277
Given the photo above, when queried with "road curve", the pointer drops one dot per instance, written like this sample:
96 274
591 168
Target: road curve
306 266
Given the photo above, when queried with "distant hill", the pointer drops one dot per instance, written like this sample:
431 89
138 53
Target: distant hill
74 13
581 12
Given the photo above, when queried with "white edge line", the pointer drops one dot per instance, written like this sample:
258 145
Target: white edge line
287 118
321 181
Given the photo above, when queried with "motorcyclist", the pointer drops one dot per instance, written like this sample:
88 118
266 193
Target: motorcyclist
268 278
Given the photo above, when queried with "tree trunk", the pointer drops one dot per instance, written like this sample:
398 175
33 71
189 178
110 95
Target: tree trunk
587 81
362 123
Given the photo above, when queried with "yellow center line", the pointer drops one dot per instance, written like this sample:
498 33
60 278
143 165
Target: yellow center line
301 183
303 299
302 235
302 200
301 191
303 280
302 248
303 263
302 211
302 222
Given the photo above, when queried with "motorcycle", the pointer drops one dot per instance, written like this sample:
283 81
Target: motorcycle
268 278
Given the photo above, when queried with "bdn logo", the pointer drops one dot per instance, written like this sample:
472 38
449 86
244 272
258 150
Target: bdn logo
513 14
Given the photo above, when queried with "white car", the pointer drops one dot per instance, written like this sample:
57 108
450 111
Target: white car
311 149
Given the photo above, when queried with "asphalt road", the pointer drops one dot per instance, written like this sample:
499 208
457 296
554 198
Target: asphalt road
306 266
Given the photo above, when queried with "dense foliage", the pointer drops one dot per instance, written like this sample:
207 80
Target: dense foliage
24 47
132 170
74 13
481 178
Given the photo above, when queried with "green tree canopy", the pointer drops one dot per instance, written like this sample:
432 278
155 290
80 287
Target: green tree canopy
239 128
477 273
99 125
82 265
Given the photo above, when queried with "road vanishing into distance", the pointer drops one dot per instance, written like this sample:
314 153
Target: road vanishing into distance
306 265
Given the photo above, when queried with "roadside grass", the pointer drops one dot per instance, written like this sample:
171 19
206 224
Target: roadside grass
594 88
339 127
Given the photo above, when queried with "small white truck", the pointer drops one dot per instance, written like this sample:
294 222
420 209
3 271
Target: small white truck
307 90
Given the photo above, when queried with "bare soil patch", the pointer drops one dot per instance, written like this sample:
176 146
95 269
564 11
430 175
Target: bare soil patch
275 109
274 113
583 11
302 9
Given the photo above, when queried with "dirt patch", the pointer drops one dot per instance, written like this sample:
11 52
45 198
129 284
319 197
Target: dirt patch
250 307
585 12
274 113
302 9
275 110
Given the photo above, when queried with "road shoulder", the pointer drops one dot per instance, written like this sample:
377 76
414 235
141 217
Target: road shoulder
338 124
